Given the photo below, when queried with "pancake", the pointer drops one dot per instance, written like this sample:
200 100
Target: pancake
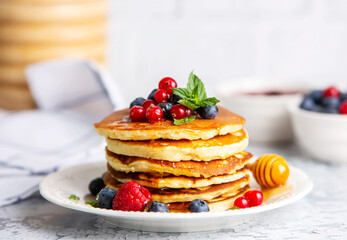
118 126
186 168
218 204
155 180
168 195
218 147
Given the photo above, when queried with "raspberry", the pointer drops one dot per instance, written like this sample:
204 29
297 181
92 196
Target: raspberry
131 197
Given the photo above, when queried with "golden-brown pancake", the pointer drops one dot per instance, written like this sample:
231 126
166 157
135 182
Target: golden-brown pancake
218 147
156 180
118 126
168 195
218 204
186 168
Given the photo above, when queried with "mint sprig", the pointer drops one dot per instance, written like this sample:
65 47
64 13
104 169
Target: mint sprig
74 197
184 120
194 95
93 204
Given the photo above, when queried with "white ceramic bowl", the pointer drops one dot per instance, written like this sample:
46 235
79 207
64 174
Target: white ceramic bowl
323 136
267 117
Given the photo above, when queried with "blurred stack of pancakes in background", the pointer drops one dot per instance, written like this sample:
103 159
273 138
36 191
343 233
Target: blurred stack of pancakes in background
36 30
205 159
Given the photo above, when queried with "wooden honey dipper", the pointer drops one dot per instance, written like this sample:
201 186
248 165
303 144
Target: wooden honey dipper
270 170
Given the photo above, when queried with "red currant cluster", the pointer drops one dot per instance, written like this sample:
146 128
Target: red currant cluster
250 199
161 103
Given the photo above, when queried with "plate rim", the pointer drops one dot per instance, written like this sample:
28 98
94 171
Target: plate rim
78 206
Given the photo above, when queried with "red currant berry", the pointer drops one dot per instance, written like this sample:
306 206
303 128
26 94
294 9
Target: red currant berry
178 111
241 202
161 96
331 92
137 114
148 103
254 197
189 112
343 107
154 113
166 84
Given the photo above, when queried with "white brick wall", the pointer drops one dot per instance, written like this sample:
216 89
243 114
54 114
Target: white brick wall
223 40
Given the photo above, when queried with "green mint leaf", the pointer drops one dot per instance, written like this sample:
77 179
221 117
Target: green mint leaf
182 92
196 87
189 103
93 204
184 120
234 208
74 197
208 102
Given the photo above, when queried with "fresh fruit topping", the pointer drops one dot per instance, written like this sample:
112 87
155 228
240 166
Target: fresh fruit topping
241 202
137 114
194 95
327 101
105 197
331 92
174 99
131 196
255 198
137 102
331 102
270 170
189 112
151 95
316 95
161 96
308 103
166 84
166 107
96 185
198 205
178 111
156 207
148 103
343 107
154 113
208 112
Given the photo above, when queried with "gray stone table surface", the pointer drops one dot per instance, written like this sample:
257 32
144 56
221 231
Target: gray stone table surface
320 215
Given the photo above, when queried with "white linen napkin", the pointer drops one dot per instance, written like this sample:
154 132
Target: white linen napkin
71 95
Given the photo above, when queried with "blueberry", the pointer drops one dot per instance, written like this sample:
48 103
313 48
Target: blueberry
174 99
318 108
105 197
308 103
157 207
331 102
137 102
208 112
343 97
151 95
316 95
198 205
166 107
96 185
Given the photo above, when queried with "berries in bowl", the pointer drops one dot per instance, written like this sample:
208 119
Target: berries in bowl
331 100
319 122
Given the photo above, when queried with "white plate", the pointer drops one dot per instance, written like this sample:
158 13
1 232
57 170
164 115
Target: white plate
57 187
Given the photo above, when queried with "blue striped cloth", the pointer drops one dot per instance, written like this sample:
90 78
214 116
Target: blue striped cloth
71 95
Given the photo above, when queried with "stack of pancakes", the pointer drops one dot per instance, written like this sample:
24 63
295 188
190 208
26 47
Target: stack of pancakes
204 159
